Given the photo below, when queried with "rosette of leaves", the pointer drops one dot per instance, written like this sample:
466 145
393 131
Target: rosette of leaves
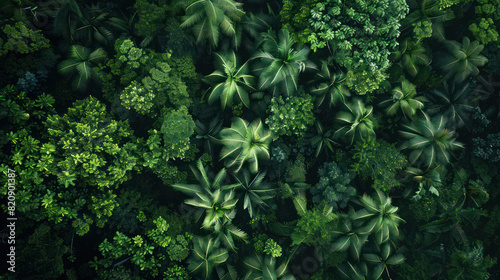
333 186
358 122
462 59
403 100
453 101
206 255
291 116
81 65
279 63
244 142
429 141
331 87
411 56
229 80
137 97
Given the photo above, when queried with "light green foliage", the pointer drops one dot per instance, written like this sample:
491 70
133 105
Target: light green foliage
422 29
151 17
443 4
245 142
429 142
488 7
176 273
177 127
379 160
210 18
81 65
403 100
294 17
364 82
462 59
266 245
279 63
363 32
145 253
19 38
137 97
179 248
146 69
230 79
357 122
316 226
90 145
292 116
484 30
333 187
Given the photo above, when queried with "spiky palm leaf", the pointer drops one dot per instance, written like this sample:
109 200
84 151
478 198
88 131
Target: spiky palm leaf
378 217
352 238
81 65
205 256
331 87
210 18
260 267
411 56
253 190
384 257
453 101
208 133
218 202
429 142
403 99
462 59
279 64
323 138
245 142
229 80
357 120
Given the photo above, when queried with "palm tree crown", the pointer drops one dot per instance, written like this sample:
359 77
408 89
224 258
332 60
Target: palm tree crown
245 142
229 80
211 17
280 64
429 141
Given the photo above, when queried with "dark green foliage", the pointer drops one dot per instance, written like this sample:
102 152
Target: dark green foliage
357 121
176 129
333 187
151 17
206 255
470 264
429 142
403 100
452 100
292 116
379 160
81 65
295 16
260 267
462 59
331 88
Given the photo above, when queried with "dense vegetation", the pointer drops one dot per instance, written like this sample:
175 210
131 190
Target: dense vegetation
225 139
